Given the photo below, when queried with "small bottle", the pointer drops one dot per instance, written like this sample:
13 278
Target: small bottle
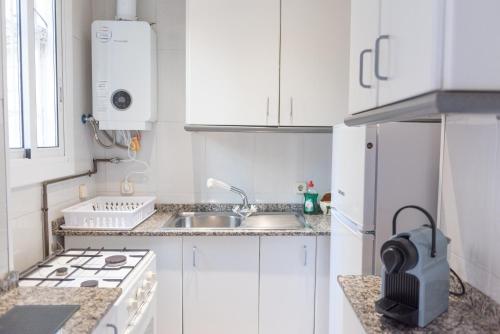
310 199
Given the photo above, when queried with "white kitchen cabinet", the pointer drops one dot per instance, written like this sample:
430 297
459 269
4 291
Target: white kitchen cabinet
233 62
364 31
287 284
421 47
221 285
314 62
267 62
410 48
322 299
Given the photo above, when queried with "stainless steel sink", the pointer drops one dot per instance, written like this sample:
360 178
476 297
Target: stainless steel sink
204 220
275 221
229 220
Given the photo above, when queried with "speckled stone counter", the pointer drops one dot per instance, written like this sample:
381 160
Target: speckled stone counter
472 313
317 224
94 303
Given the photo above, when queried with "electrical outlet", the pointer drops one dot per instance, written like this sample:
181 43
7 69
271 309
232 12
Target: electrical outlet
300 188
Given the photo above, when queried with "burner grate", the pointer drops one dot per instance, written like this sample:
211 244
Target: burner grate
88 254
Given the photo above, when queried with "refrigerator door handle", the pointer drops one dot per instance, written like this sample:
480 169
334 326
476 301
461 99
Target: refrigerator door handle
351 226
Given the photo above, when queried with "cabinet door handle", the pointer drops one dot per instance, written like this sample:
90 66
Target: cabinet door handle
361 68
267 111
377 57
194 256
291 109
305 255
113 327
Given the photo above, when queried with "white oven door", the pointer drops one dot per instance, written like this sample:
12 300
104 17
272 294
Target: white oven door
144 321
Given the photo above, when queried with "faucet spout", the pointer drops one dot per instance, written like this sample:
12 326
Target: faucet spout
243 196
245 209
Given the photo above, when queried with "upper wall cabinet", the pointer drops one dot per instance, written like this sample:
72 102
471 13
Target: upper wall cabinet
364 30
421 47
267 62
233 62
314 62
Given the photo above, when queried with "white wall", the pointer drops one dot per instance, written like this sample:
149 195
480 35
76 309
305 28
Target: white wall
25 216
470 199
265 165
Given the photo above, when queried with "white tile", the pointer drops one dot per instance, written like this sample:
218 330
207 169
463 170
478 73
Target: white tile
318 161
468 202
27 240
25 200
469 272
495 229
146 10
171 24
143 183
82 19
278 165
104 9
229 157
171 85
180 161
470 193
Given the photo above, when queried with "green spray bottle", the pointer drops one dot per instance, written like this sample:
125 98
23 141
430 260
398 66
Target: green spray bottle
310 199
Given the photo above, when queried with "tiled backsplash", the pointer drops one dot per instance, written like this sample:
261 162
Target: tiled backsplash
266 166
470 209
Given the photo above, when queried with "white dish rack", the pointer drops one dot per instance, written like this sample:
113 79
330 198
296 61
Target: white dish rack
109 213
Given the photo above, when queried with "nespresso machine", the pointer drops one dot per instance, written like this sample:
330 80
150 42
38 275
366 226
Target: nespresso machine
415 273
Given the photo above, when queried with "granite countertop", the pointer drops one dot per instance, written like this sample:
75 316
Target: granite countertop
472 313
318 224
94 303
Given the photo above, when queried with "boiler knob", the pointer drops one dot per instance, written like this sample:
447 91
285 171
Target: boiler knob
140 294
132 305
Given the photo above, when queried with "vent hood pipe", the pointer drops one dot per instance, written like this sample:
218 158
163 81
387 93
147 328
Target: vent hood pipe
126 10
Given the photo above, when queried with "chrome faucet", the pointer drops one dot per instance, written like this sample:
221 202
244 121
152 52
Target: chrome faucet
245 210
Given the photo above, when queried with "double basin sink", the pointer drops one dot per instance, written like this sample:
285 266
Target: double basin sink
229 220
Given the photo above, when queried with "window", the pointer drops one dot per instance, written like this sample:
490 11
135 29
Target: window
32 78
13 74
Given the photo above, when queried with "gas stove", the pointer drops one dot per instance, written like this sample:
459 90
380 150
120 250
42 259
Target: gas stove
132 270
106 268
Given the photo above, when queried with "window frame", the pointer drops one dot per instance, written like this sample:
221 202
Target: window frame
51 162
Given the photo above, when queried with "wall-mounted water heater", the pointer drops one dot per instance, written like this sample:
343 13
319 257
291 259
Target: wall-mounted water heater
124 79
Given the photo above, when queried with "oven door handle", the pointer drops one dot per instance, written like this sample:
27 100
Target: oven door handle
115 329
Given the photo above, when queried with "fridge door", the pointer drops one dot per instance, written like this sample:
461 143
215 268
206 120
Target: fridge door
354 171
351 254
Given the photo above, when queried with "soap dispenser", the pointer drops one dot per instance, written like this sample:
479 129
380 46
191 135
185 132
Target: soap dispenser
310 199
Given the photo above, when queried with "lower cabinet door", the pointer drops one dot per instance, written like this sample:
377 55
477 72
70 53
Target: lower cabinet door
287 285
220 285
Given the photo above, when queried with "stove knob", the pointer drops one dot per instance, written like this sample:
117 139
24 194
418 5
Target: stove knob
140 294
147 284
151 276
132 305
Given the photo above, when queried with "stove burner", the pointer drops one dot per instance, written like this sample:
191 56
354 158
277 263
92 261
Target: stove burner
63 271
116 260
89 284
